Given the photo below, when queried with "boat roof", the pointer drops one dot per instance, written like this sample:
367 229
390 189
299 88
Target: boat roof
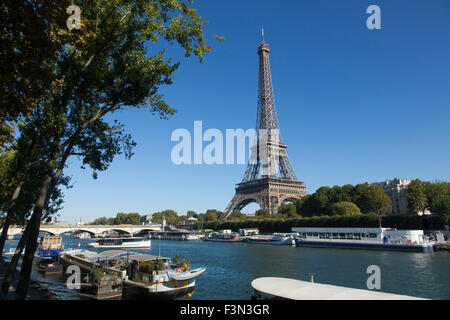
142 257
121 238
93 256
304 290
112 253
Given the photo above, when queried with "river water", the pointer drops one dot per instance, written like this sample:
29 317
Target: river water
231 267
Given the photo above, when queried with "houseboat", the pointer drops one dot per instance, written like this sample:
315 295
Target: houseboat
173 235
118 273
364 238
47 254
158 278
121 243
223 237
274 239
101 273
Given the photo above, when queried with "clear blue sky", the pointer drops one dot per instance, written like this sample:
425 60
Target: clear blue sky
354 104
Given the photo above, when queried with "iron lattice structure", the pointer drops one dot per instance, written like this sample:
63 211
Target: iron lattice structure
269 178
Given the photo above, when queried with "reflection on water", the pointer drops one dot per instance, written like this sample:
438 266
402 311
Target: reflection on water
230 267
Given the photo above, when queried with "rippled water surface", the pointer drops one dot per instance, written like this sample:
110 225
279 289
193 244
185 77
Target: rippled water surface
230 267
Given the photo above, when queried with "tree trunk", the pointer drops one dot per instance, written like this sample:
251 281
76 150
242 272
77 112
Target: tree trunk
4 234
13 264
35 221
48 185
10 215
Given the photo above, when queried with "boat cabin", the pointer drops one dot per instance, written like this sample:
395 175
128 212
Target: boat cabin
367 235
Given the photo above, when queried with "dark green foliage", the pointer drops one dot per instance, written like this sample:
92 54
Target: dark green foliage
367 198
121 218
359 220
344 208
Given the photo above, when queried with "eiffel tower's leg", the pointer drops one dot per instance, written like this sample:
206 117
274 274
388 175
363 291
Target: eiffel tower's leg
237 198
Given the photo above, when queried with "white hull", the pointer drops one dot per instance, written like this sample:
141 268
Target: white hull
126 245
272 241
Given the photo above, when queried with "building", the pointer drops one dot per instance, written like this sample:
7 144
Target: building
397 190
146 219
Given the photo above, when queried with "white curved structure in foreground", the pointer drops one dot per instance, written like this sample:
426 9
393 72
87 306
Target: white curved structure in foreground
283 288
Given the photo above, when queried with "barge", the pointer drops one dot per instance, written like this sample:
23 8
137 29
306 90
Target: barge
121 243
364 238
223 237
273 239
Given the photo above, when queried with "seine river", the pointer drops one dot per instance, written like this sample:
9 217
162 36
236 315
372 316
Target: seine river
231 267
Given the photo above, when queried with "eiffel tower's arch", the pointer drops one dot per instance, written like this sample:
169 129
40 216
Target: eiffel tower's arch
271 179
245 201
289 198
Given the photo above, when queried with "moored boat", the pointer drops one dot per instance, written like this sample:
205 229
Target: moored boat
364 238
121 243
273 239
118 273
159 278
101 273
47 253
224 237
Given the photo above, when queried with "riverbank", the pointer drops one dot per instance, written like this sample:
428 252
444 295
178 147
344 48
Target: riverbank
36 291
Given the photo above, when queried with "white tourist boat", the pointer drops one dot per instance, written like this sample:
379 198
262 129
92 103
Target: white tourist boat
273 239
364 238
121 243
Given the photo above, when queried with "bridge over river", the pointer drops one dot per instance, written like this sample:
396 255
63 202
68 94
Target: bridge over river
92 229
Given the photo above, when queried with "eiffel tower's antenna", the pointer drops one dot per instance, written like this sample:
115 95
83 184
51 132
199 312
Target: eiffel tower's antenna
262 32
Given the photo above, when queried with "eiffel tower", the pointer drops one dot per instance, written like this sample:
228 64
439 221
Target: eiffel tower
269 178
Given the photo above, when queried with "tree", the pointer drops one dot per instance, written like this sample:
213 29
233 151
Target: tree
371 198
170 216
105 67
212 215
344 208
416 197
289 210
262 213
191 214
438 199
30 36
236 216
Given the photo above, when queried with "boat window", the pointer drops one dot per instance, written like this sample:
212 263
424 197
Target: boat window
349 235
341 235
321 235
335 235
309 234
315 234
363 235
372 235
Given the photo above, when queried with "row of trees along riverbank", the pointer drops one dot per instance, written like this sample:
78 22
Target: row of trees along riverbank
269 225
347 206
171 217
63 88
